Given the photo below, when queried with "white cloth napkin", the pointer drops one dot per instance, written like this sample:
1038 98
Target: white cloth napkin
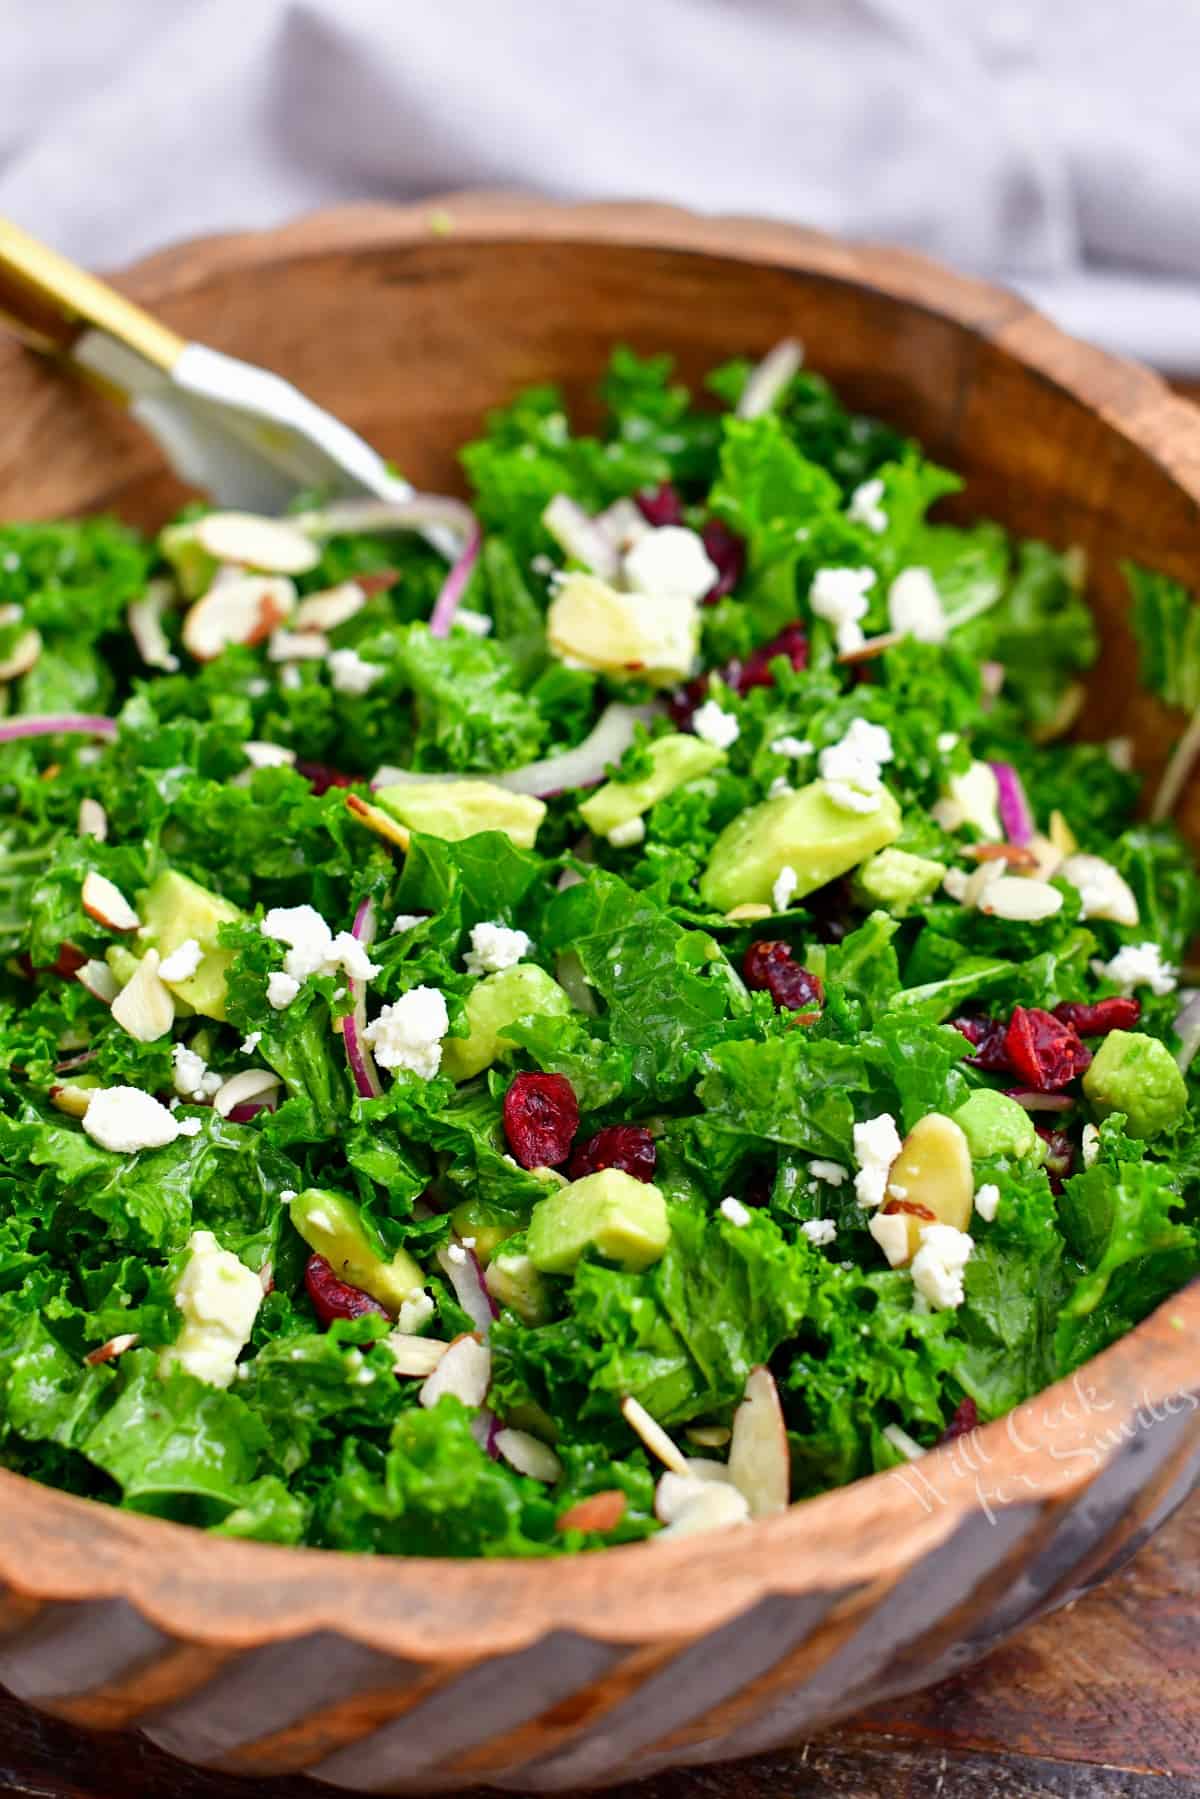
1052 143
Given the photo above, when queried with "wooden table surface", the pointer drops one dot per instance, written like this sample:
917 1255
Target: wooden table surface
1099 1702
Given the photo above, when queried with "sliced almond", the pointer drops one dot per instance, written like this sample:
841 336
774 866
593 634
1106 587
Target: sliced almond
375 819
99 980
108 1352
93 820
298 646
675 1492
759 1463
144 617
105 902
528 1455
72 1100
713 1508
415 1356
653 1436
465 1370
256 542
240 1089
600 1511
22 656
245 610
932 1180
1025 902
1061 835
332 607
752 909
708 1436
144 1006
1016 855
870 648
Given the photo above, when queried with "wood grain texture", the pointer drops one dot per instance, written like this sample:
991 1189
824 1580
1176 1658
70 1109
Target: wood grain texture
407 1675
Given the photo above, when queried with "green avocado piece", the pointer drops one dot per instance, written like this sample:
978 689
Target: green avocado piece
805 831
513 1281
488 1229
174 908
995 1125
496 1001
896 880
626 1220
332 1226
676 759
1137 1075
458 809
122 961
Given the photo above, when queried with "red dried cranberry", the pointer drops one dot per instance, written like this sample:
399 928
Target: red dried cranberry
831 909
541 1117
770 967
684 701
321 777
965 1420
728 554
1119 1014
987 1036
791 642
629 1147
660 505
1046 1053
1060 1156
333 1298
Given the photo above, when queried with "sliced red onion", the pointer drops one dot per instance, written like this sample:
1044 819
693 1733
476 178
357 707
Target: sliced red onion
485 1428
251 1108
470 1290
584 765
581 537
80 1060
767 382
368 514
57 724
455 585
1040 1102
363 1071
991 678
1015 814
1187 1029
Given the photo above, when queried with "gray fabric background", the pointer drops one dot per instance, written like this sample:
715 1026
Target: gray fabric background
1054 143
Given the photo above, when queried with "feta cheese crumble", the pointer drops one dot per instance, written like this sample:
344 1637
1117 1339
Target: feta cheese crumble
409 1033
251 1042
876 1145
350 675
791 746
219 1298
1139 965
670 561
281 990
734 1211
839 596
312 949
1103 891
415 1313
191 1077
986 1201
890 1231
493 947
832 1173
786 883
915 606
127 1120
268 755
852 768
819 1231
939 1264
182 963
716 726
404 921
477 623
864 507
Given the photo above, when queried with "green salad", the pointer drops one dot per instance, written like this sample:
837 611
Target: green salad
581 1015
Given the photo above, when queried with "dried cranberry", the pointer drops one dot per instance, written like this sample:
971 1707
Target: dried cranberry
1119 1014
728 553
321 777
791 642
541 1117
831 909
965 1420
684 701
333 1298
660 505
770 967
1046 1053
629 1147
987 1037
1060 1156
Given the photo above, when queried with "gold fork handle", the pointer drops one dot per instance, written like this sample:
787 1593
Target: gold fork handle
49 302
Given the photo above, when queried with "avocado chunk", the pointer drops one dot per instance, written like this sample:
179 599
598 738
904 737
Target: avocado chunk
497 1001
626 1220
676 759
805 831
487 1229
513 1281
995 1125
896 880
458 809
174 908
1137 1075
332 1226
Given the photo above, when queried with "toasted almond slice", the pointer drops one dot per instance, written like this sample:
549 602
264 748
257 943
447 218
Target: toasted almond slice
256 542
244 609
240 1089
144 617
675 1492
93 820
465 1370
415 1356
298 646
600 1511
22 657
332 607
752 909
708 1436
1024 901
871 647
144 1006
759 1464
1016 855
74 1101
105 902
108 1352
653 1436
713 1508
382 823
99 980
528 1455
932 1181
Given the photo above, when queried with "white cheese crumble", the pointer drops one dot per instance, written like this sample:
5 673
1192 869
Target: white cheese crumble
1139 965
1103 892
456 1253
986 1201
191 1077
864 507
281 990
415 1313
938 1265
349 674
915 606
126 1120
791 746
839 595
852 768
493 947
716 726
786 883
477 623
404 921
626 836
670 561
251 1042
297 646
313 948
182 963
819 1231
268 755
876 1146
188 1127
219 1298
409 1033
734 1211
890 1231
947 741
832 1173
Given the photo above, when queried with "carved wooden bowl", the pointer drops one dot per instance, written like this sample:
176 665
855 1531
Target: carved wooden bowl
418 1676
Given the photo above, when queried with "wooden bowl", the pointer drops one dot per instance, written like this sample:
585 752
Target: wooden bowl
419 1676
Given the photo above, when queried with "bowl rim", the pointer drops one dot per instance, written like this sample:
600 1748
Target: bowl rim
240 1595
